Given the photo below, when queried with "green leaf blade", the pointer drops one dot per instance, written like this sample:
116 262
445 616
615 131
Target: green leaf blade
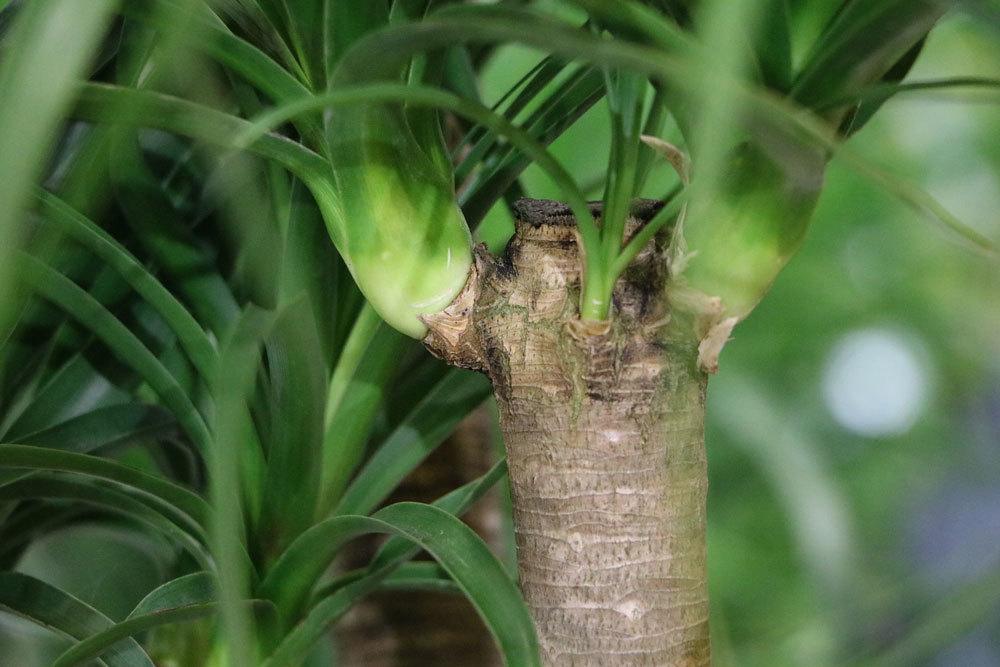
454 545
423 430
50 607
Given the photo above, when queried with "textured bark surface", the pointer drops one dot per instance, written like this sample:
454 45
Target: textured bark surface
604 430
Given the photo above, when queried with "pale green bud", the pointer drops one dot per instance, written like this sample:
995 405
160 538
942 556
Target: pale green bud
396 222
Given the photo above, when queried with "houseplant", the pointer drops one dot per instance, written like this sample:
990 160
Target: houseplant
597 327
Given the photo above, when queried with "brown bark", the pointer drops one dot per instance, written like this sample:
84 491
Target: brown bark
604 429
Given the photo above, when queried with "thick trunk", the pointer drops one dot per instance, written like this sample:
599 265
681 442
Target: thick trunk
604 429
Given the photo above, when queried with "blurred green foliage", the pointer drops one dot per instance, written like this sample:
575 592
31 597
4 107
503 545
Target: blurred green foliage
861 540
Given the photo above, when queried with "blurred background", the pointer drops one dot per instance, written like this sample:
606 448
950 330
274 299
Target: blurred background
854 427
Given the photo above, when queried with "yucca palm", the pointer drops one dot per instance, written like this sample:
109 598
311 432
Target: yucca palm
265 391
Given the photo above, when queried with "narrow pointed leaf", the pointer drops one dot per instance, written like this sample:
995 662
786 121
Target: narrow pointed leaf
50 607
398 549
55 287
183 599
42 458
190 334
175 526
104 427
295 392
424 429
453 544
100 102
52 42
357 388
222 45
861 45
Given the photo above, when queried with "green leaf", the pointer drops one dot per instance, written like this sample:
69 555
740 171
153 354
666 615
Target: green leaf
207 33
42 458
511 103
96 429
415 95
51 608
189 333
398 549
557 111
865 109
104 427
161 232
636 21
775 120
311 265
63 292
57 397
427 576
653 127
98 644
100 102
420 576
666 215
190 589
233 385
861 45
626 92
345 23
426 123
419 434
453 544
773 45
302 18
292 576
772 114
185 598
30 521
357 389
174 525
48 49
460 74
20 382
879 93
297 379
261 29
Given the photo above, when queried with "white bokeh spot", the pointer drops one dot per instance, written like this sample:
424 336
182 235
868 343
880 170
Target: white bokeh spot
876 382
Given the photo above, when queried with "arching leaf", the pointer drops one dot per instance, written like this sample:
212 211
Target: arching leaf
183 599
426 427
453 544
52 608
55 287
43 458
